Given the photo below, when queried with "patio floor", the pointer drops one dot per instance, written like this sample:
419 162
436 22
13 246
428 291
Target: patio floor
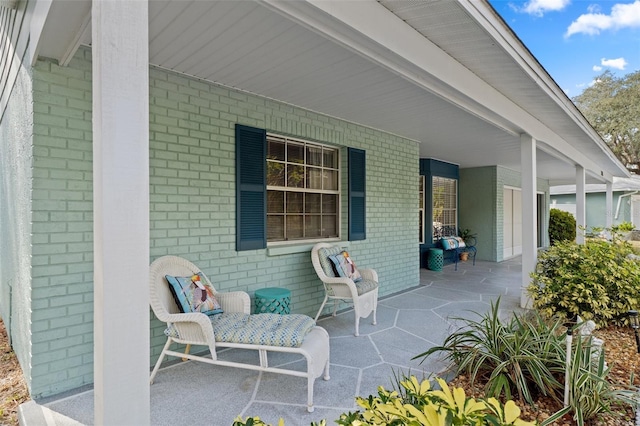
408 324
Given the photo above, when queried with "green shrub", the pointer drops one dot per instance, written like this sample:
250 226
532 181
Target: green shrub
520 357
594 280
562 226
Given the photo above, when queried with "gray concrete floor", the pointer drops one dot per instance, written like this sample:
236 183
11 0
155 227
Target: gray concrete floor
408 324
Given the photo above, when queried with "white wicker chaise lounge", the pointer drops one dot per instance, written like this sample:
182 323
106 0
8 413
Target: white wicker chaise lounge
273 332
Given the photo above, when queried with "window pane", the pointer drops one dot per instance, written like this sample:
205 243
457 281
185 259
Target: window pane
275 228
329 226
331 179
314 178
312 227
295 176
295 153
314 155
445 207
312 209
312 203
329 203
275 150
330 158
294 227
275 201
275 173
295 202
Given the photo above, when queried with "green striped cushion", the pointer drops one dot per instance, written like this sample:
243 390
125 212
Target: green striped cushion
364 286
258 329
325 262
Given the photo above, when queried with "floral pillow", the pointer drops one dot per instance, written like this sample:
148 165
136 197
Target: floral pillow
194 294
345 266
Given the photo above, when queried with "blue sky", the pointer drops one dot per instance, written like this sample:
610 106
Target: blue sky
577 40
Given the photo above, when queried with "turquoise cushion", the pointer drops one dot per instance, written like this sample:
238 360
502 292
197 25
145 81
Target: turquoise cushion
194 294
450 243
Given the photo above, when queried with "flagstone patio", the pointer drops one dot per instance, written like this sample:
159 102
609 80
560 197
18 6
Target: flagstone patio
190 393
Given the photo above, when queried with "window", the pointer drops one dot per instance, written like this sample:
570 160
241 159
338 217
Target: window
445 207
421 209
302 190
295 186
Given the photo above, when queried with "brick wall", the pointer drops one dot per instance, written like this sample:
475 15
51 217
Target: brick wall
192 211
62 263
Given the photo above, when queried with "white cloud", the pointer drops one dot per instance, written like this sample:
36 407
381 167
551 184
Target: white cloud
619 63
597 68
623 15
540 7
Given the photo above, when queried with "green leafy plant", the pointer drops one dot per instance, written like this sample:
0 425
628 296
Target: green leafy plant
594 280
467 235
419 404
519 357
623 227
562 226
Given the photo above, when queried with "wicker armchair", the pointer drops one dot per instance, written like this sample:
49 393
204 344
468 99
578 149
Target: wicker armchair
363 294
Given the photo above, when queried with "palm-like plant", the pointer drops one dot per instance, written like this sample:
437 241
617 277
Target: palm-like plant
523 356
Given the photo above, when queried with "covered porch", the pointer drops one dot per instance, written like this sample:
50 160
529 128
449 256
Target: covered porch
134 106
408 323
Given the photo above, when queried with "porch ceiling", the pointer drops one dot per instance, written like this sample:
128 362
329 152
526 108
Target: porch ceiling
297 53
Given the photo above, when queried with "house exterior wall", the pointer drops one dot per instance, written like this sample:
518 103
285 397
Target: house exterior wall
482 206
192 205
16 162
595 208
478 192
62 296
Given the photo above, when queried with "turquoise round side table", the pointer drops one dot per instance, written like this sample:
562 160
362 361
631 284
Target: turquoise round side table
275 300
435 261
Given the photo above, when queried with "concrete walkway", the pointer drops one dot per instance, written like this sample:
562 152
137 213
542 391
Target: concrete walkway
409 323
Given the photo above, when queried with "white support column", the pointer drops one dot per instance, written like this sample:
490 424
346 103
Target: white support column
609 205
529 214
121 211
581 201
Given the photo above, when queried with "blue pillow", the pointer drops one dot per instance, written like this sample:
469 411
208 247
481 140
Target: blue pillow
194 294
450 243
345 267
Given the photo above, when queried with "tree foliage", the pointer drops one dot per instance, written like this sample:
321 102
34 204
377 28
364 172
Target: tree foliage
611 106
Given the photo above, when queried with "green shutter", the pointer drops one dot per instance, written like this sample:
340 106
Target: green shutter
357 195
251 201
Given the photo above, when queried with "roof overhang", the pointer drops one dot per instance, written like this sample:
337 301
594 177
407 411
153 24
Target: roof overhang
450 74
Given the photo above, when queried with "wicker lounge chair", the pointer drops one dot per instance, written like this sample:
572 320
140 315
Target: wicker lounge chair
236 326
363 293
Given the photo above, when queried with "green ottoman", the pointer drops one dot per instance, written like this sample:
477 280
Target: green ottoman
435 260
274 300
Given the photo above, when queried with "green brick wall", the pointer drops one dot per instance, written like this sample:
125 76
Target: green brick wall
192 176
482 206
62 263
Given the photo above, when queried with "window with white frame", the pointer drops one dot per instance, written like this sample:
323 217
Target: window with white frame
445 207
303 190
